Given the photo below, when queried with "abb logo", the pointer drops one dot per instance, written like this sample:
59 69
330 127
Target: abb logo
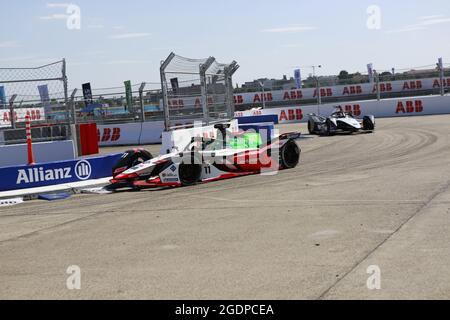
259 97
412 85
238 99
437 83
384 87
34 115
352 90
109 135
293 95
415 106
324 92
291 115
176 103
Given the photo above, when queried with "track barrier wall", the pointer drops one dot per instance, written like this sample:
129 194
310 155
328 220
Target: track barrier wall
12 155
55 173
412 106
151 132
137 133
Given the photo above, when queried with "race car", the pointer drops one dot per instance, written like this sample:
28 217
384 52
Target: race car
206 160
339 121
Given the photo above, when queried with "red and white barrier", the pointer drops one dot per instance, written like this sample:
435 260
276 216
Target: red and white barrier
35 114
135 133
412 106
150 132
286 96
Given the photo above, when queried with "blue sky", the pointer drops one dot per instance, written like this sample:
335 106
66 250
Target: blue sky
121 40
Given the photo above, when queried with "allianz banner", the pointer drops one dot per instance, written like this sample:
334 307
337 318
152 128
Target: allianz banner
54 173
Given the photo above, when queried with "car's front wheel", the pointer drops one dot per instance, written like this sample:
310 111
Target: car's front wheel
189 174
289 155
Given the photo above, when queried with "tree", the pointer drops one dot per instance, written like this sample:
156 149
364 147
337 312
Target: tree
343 75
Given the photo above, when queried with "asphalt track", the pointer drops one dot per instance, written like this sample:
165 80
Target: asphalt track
310 233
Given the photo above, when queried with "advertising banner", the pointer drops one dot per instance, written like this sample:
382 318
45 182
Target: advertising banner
54 173
87 94
36 114
298 78
128 94
2 97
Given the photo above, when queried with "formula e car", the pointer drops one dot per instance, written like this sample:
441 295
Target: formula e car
206 160
339 121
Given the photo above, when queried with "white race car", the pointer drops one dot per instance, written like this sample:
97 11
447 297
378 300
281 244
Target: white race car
339 121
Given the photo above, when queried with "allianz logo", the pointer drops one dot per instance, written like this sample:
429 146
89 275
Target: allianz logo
82 171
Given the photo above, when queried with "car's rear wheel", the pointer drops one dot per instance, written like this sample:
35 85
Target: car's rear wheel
289 155
368 124
311 127
328 128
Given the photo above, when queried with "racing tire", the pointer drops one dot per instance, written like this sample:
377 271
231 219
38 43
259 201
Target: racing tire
328 126
368 123
189 174
311 126
289 155
130 159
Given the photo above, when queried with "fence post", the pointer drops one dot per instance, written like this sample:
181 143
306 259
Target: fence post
229 96
377 83
165 98
73 127
141 101
319 95
441 75
204 89
11 111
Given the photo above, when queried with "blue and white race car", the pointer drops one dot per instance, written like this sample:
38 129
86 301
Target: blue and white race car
339 121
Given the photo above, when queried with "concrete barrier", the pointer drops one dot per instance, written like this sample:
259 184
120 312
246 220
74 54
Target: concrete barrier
12 155
399 107
135 133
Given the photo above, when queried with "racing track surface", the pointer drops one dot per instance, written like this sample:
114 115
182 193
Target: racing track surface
311 232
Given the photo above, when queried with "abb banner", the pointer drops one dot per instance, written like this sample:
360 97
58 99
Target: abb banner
256 98
413 106
35 114
130 133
